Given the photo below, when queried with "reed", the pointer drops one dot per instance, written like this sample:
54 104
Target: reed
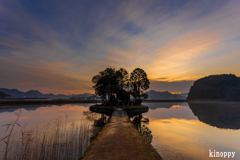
55 141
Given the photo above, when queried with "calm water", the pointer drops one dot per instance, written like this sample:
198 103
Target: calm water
180 130
183 131
62 121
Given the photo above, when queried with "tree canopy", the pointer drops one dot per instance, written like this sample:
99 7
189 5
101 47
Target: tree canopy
139 81
110 81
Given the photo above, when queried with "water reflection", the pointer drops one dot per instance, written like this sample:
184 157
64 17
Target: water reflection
134 114
14 108
154 106
182 132
169 110
221 115
35 107
98 120
177 131
49 125
139 122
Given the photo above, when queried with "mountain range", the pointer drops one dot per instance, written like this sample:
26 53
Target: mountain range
36 94
152 94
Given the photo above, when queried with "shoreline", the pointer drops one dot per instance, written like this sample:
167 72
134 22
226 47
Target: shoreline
11 102
44 101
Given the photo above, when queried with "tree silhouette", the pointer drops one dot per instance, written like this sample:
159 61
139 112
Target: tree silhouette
138 81
111 82
108 82
122 76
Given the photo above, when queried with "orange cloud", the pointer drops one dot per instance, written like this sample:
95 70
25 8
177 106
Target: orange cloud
176 106
175 58
180 79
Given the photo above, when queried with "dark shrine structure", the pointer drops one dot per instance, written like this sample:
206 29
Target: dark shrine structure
123 96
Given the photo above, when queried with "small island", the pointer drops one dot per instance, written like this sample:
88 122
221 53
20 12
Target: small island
116 89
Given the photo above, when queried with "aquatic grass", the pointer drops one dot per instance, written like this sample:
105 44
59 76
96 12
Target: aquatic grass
7 139
56 140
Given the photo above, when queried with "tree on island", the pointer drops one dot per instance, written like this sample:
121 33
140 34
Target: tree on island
110 83
139 81
122 75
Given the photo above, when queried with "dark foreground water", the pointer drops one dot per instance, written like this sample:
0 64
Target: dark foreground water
179 130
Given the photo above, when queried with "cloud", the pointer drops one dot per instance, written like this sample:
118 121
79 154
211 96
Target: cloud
60 46
162 78
174 79
22 76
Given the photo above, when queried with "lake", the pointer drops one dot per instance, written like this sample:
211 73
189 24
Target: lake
179 130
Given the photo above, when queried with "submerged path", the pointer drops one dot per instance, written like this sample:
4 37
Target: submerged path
121 141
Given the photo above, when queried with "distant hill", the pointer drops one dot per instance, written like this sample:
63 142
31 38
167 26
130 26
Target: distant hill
83 96
165 95
223 87
2 95
36 94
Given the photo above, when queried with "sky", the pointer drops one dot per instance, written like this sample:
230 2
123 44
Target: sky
57 46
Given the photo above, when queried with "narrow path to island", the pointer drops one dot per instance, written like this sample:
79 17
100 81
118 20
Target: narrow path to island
119 140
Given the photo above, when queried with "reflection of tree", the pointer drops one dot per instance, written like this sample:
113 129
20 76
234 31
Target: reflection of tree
96 118
143 129
91 116
99 122
221 115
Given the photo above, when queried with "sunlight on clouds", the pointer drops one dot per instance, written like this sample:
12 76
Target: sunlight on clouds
173 79
172 59
190 45
178 55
